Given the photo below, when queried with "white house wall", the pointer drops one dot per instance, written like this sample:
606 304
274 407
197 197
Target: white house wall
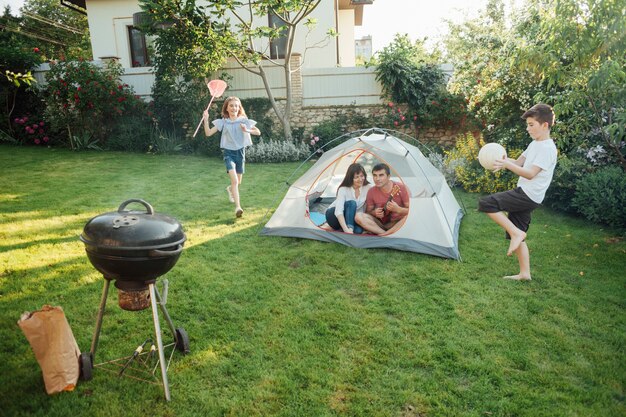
346 38
109 19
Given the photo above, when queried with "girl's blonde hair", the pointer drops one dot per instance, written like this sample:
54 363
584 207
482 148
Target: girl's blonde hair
242 112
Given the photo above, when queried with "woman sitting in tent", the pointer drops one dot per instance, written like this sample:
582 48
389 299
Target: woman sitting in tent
350 200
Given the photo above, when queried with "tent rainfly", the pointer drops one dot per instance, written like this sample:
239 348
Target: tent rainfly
432 225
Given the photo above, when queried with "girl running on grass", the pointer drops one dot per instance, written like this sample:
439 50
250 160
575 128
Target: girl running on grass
236 129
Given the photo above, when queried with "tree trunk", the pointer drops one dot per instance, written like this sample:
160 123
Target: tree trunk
287 112
283 116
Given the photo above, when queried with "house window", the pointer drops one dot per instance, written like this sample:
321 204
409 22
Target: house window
138 51
278 46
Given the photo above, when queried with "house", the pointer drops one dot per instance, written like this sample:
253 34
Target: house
326 85
113 33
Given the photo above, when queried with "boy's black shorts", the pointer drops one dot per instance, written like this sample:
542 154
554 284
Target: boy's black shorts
515 202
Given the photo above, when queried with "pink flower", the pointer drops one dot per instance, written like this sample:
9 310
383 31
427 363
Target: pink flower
46 139
41 123
36 50
390 104
414 117
402 118
312 142
316 139
37 141
35 126
395 123
41 131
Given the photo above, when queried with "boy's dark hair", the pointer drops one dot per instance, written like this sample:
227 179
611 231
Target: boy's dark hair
541 113
380 167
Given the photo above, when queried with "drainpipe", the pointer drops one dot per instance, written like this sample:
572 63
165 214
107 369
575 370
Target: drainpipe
337 30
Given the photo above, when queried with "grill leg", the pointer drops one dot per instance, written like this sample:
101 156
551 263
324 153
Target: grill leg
168 319
157 330
96 333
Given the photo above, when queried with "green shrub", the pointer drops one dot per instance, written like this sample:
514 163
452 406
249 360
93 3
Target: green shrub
277 151
331 129
471 175
568 172
410 77
258 109
447 166
131 134
164 142
88 101
601 196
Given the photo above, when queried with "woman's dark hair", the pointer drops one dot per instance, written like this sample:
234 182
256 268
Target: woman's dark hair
353 169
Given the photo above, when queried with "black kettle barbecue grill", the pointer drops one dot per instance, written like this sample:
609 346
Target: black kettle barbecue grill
134 248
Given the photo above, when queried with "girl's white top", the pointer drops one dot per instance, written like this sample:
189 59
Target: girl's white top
347 193
233 138
541 153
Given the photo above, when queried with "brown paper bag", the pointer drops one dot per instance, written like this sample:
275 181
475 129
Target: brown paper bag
51 338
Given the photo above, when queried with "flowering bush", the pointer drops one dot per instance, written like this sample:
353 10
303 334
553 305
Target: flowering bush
31 130
315 145
88 101
471 175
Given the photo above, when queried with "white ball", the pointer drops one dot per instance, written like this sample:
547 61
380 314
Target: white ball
489 153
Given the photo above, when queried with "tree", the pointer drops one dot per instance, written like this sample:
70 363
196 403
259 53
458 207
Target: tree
568 53
411 76
205 37
578 49
288 16
58 32
496 90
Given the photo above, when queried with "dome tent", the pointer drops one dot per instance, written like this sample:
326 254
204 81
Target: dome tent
434 218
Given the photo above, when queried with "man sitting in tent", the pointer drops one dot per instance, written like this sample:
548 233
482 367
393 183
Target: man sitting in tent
387 204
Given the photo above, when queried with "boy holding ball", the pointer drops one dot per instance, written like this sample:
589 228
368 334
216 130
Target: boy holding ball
535 167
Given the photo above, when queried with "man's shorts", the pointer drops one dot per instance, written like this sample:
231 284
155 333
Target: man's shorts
235 160
515 202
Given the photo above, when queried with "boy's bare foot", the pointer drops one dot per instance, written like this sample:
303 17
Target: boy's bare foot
518 277
239 212
230 194
516 240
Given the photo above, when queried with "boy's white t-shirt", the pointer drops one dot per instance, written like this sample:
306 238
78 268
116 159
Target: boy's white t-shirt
541 153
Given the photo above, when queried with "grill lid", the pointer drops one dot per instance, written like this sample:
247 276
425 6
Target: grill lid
133 230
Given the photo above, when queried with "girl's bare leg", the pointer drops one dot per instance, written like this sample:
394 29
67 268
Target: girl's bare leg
235 180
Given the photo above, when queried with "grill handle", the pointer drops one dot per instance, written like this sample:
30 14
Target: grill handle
147 205
155 253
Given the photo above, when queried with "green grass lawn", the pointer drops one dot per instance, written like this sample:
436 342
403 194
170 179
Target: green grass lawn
292 327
